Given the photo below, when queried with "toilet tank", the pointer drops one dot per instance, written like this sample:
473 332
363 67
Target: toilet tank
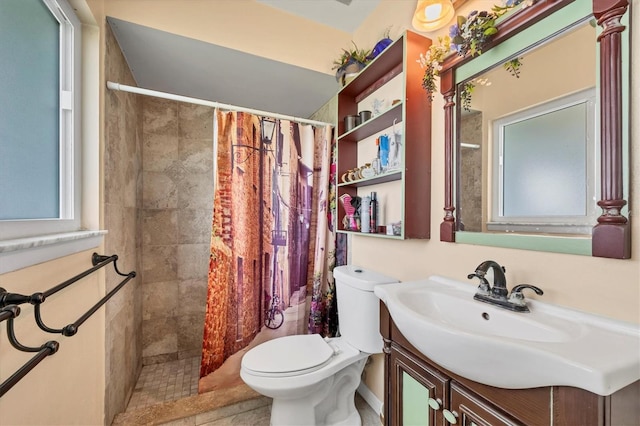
359 307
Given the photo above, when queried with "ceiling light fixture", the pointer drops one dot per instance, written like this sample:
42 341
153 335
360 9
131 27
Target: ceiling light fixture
431 15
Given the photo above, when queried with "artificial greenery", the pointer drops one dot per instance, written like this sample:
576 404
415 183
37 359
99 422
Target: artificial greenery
513 66
465 95
350 56
469 36
431 61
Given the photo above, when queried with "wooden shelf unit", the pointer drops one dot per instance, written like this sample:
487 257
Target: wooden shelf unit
412 115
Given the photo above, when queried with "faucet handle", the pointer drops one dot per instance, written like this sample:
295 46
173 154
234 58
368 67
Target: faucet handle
484 284
517 297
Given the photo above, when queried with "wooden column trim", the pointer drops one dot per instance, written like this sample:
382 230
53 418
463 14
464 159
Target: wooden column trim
612 235
447 88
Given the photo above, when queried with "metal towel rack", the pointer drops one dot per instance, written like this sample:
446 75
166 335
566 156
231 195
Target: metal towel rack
9 310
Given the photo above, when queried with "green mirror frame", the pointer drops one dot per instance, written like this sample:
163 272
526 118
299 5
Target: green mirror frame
611 236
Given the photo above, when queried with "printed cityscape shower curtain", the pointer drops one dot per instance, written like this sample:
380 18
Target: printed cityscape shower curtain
272 247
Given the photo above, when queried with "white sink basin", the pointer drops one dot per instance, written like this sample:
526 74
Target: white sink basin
549 346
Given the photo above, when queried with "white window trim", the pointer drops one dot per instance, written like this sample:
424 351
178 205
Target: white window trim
547 224
23 252
28 242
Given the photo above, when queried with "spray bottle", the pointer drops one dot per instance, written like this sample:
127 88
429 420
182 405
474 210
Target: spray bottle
373 213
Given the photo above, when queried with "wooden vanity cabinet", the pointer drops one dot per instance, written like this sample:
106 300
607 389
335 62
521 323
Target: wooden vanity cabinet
418 392
410 376
474 410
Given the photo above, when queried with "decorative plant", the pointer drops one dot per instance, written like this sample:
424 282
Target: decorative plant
465 95
469 36
513 66
354 56
431 61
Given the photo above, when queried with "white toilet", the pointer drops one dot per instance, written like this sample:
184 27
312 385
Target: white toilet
313 380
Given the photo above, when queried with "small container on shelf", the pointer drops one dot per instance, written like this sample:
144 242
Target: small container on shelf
350 122
364 116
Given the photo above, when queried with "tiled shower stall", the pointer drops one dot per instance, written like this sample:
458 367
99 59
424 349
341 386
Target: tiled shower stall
158 189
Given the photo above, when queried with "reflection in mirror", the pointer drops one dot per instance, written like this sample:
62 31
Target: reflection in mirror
527 148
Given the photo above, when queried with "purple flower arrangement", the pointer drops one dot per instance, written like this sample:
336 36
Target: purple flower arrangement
468 36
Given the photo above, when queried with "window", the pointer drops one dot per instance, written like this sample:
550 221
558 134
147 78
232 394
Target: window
544 170
39 118
41 172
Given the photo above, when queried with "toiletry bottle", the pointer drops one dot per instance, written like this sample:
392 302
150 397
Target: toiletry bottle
365 221
383 152
376 161
373 213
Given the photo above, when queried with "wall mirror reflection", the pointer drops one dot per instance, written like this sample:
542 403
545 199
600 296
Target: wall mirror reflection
526 143
536 133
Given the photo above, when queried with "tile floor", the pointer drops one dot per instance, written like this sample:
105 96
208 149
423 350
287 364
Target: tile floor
174 380
168 381
257 412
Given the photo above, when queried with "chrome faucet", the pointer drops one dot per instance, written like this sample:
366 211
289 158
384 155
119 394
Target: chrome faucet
498 294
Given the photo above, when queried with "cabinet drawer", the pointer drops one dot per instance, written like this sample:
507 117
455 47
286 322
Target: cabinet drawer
474 411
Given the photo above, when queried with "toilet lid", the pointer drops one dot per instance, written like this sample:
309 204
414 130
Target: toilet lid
289 355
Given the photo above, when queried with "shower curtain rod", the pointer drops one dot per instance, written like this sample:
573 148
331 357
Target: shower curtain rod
132 89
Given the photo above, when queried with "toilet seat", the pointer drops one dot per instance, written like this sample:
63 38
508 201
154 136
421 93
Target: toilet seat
288 356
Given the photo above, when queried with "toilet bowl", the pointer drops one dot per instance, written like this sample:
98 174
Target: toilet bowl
313 380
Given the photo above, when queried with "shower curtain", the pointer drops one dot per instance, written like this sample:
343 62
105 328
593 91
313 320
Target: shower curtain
272 244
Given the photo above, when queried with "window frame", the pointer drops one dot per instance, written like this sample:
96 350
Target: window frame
577 224
70 171
24 243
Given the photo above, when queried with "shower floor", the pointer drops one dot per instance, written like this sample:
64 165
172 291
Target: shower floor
164 382
177 381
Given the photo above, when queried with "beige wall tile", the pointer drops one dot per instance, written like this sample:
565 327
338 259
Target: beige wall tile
122 162
160 227
159 152
192 295
159 263
196 155
178 205
190 330
159 336
160 300
193 261
160 116
159 191
194 225
195 191
195 121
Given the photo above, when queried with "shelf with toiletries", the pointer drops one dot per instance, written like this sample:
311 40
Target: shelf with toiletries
377 234
384 144
389 176
374 125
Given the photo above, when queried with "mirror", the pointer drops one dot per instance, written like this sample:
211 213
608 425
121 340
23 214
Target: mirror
534 131
526 152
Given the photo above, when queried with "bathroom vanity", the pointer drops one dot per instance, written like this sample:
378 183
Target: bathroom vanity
418 391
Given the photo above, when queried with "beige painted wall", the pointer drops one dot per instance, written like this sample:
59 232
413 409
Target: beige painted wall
67 387
568 279
602 286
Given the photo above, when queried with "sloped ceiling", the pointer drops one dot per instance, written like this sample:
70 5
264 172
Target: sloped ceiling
175 64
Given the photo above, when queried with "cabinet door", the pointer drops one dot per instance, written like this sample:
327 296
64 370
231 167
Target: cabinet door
468 409
418 393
